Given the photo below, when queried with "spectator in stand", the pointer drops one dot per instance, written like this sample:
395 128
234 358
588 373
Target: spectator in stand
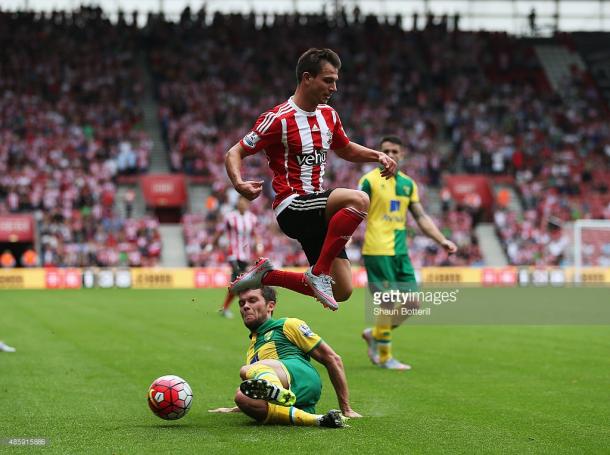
128 200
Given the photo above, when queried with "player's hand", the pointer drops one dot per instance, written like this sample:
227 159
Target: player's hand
250 189
389 165
351 414
449 246
224 410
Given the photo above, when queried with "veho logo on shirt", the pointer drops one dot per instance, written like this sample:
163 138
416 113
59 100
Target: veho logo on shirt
312 159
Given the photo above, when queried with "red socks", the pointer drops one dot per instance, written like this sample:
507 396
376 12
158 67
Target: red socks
289 280
340 229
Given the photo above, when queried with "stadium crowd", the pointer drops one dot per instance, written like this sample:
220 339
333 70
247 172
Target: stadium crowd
68 127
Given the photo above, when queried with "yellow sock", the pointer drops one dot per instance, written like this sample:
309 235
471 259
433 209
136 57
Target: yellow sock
290 416
383 337
262 371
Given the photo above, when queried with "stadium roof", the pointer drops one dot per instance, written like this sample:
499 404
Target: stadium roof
501 15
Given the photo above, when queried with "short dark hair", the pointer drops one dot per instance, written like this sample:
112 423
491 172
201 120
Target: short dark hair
311 61
393 139
269 294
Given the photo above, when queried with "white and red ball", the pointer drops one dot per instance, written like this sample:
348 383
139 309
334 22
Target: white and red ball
170 397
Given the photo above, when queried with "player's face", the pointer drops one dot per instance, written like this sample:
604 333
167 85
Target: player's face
242 204
253 308
322 86
394 151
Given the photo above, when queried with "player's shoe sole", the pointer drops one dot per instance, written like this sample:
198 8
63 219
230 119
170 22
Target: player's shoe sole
260 389
371 351
252 278
333 419
321 285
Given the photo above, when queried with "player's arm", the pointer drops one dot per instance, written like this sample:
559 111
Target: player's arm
357 153
258 245
428 227
250 189
324 354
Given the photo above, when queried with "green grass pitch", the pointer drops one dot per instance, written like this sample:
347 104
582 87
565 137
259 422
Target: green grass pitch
85 359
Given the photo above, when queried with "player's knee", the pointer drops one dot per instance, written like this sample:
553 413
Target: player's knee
249 407
243 371
341 295
241 401
361 201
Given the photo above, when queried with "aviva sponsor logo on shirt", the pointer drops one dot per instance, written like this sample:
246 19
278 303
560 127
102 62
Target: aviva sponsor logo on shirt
395 215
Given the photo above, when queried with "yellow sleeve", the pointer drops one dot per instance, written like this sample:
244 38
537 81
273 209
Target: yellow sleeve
415 193
365 185
299 333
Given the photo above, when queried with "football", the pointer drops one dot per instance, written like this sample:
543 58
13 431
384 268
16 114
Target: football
170 397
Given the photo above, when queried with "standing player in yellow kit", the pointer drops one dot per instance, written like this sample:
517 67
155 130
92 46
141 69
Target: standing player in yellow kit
385 250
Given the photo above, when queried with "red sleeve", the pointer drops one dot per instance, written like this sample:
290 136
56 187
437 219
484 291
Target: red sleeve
340 139
267 130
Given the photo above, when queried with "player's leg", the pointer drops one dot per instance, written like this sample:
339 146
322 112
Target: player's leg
268 413
257 409
341 272
405 282
267 380
382 277
274 369
305 221
263 273
307 387
345 210
237 268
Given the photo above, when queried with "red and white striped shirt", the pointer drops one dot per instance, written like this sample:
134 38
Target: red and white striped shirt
240 231
296 143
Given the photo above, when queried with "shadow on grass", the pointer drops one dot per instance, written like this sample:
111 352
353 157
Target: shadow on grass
226 423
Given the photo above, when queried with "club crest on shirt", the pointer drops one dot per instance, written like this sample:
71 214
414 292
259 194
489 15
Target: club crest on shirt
251 139
305 330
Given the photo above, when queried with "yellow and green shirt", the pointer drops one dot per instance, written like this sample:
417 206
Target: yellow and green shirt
386 233
282 339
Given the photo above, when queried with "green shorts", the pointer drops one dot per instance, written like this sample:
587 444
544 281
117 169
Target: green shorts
390 272
305 383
